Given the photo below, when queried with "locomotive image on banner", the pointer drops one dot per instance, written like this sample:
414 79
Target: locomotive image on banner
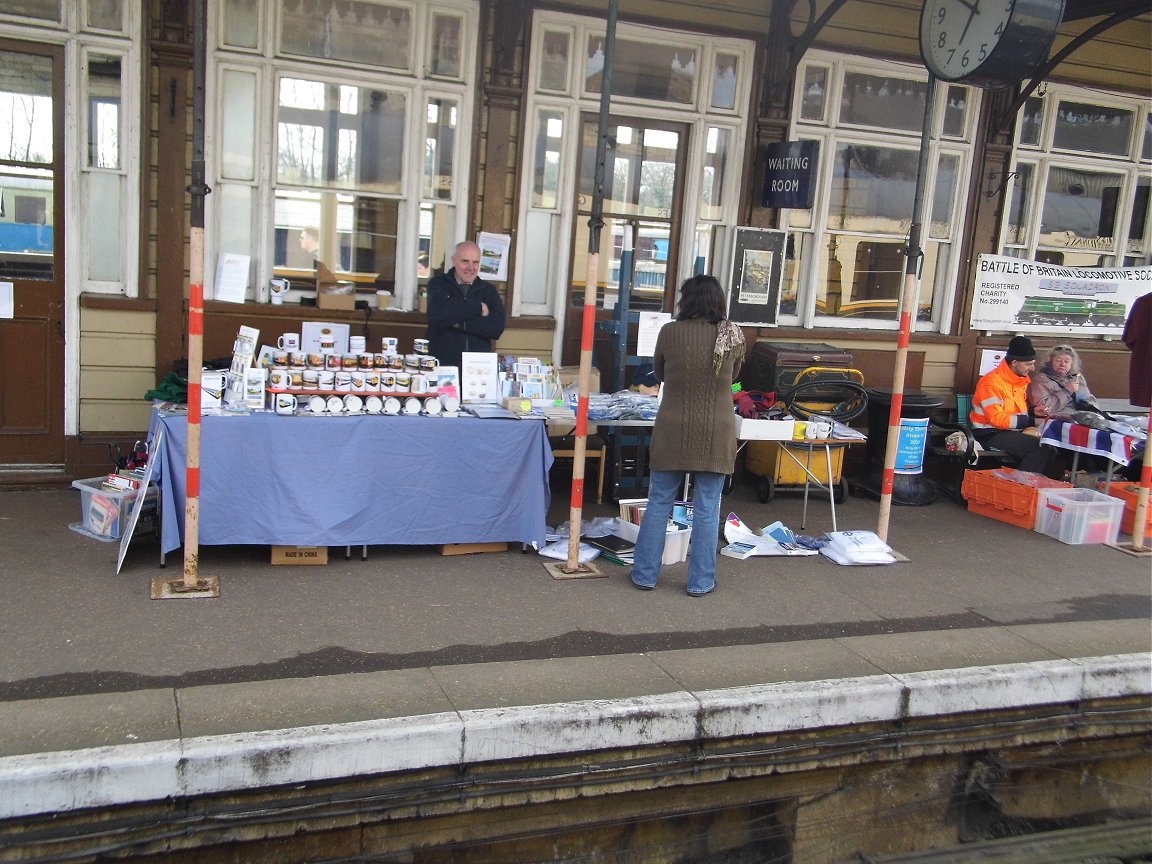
1028 297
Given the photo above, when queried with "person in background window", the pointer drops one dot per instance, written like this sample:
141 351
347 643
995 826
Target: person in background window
697 356
465 313
310 243
1059 387
1000 417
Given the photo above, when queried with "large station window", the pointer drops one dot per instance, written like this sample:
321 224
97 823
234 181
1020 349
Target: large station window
338 146
1078 190
845 256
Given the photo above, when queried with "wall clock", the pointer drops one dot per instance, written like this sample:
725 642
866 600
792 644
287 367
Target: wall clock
987 42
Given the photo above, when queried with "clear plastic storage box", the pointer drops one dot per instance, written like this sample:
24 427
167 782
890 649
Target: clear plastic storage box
675 544
105 512
1078 516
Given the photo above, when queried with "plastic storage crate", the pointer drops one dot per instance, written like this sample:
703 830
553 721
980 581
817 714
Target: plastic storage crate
1078 516
105 512
1129 493
997 497
675 544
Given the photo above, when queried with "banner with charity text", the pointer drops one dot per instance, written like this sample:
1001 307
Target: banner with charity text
1028 297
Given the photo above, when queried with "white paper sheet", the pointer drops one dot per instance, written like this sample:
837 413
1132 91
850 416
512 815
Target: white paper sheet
647 331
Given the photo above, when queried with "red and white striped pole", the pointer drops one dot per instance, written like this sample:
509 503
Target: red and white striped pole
192 584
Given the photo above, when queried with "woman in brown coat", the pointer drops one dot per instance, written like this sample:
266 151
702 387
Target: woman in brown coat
698 356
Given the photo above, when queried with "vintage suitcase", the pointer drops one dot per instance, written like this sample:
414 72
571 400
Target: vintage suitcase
773 367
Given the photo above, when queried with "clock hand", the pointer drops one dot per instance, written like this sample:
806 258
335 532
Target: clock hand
973 11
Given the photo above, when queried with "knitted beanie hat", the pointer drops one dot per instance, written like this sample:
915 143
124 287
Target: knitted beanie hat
1020 348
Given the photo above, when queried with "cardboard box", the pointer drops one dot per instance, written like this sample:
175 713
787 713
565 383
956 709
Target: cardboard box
310 555
570 376
335 301
472 548
765 430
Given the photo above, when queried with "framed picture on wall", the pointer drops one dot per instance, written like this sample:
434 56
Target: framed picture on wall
755 274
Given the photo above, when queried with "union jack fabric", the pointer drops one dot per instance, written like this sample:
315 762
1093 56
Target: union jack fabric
1099 442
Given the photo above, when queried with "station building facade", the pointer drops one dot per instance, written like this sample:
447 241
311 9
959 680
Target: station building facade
389 130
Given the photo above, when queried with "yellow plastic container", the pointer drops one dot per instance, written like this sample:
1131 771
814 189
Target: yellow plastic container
765 459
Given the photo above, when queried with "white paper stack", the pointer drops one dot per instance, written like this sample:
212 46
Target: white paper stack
857 547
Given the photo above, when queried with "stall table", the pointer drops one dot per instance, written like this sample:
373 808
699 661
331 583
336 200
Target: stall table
357 480
1117 448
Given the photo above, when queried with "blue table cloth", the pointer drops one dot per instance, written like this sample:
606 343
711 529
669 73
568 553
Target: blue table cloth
333 481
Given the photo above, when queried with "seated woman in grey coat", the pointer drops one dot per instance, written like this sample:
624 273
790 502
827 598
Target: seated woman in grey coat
1059 385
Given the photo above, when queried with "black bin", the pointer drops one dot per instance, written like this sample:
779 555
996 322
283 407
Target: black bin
914 489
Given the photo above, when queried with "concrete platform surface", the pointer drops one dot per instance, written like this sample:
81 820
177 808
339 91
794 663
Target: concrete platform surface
89 660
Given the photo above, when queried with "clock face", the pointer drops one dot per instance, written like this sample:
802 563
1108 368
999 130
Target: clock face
987 41
959 36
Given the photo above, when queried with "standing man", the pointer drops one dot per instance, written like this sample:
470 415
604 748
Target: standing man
1138 338
465 313
1000 416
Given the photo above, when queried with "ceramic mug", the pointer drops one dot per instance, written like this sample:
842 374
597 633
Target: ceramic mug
420 346
311 379
317 404
332 361
335 405
358 382
353 403
357 344
343 381
316 361
285 403
288 342
412 405
392 405
389 344
280 358
280 379
326 380
298 359
373 404
278 289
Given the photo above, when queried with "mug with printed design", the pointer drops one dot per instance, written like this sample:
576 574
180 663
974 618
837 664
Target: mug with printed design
280 379
285 403
288 342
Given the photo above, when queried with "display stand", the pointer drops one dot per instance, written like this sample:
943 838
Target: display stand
138 506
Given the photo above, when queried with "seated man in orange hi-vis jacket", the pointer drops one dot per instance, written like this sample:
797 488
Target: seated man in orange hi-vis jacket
1000 416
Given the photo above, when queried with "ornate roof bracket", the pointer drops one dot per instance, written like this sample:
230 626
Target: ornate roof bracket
1005 119
798 46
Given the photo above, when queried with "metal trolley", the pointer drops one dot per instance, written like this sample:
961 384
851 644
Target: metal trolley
781 466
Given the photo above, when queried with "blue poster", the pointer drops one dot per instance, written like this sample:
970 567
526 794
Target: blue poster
910 445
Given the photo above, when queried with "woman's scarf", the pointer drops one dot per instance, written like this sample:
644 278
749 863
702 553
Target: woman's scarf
729 338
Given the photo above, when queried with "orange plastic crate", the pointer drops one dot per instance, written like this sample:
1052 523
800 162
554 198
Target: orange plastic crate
1129 493
1002 499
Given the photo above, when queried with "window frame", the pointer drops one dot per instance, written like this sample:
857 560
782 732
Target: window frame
417 86
1045 155
831 132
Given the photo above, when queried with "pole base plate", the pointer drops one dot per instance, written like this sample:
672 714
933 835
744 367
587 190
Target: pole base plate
174 589
561 570
1130 548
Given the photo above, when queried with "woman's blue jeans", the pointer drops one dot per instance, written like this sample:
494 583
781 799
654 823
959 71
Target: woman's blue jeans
662 490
